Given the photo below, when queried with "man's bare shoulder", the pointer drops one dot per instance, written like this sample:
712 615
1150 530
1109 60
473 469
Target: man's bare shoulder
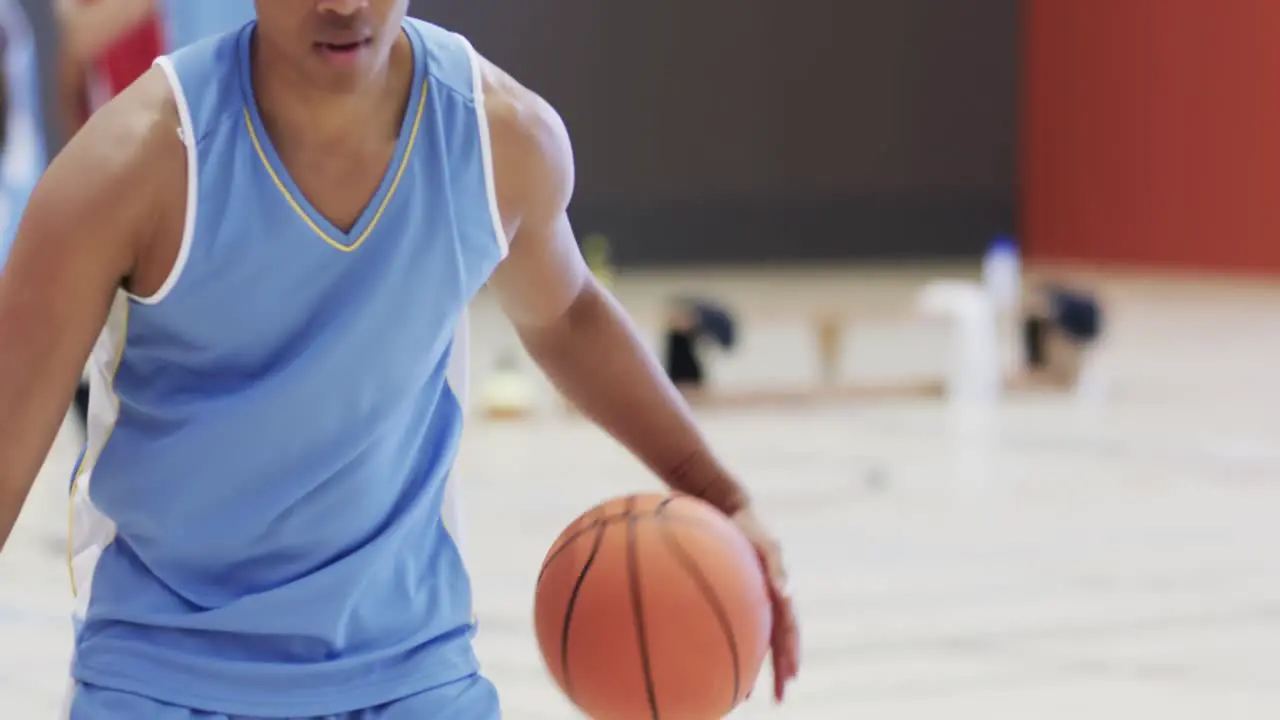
117 187
135 134
515 112
532 153
125 167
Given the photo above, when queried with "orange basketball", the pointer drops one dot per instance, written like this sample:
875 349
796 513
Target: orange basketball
652 606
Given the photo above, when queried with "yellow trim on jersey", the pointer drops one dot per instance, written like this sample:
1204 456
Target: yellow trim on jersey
85 463
386 199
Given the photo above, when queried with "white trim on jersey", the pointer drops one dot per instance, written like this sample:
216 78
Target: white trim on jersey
186 132
456 376
68 699
90 530
486 145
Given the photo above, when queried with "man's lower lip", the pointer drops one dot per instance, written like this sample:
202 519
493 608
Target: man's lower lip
341 49
341 53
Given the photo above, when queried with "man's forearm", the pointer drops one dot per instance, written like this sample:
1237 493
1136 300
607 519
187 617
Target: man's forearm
595 357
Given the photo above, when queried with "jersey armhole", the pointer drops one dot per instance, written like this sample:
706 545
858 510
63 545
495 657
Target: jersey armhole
486 146
186 133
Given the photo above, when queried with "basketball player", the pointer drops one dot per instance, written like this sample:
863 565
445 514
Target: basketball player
273 237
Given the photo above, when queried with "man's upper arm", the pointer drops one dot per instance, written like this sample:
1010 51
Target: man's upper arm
79 238
534 178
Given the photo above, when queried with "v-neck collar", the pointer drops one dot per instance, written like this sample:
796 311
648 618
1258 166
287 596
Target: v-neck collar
345 240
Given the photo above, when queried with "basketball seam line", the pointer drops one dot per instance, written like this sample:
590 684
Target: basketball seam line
637 605
596 525
713 601
601 527
606 520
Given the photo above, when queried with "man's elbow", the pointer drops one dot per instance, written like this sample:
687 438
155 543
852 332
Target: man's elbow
554 324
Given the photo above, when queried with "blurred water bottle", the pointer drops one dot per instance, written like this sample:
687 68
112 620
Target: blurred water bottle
1002 274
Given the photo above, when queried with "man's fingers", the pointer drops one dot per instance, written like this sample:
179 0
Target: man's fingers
771 558
785 644
785 639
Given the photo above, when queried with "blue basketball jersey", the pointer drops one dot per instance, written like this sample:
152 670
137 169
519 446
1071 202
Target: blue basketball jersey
22 158
263 519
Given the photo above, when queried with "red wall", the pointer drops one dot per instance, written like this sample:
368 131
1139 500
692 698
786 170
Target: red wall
1151 133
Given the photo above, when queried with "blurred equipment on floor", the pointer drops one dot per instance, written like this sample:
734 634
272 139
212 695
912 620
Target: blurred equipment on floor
508 394
1060 327
690 324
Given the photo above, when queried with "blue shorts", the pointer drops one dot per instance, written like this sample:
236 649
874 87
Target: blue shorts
473 698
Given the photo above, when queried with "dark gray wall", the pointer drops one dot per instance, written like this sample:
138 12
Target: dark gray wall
765 130
772 130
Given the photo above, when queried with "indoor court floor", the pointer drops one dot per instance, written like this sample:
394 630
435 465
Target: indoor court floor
1112 555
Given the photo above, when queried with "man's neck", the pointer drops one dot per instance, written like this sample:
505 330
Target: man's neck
291 107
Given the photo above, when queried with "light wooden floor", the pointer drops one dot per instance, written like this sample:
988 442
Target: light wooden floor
1110 558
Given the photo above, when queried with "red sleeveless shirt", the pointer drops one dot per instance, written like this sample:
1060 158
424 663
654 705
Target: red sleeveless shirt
126 60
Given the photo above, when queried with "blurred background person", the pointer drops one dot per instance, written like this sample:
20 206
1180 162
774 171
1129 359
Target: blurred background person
107 44
22 143
104 46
